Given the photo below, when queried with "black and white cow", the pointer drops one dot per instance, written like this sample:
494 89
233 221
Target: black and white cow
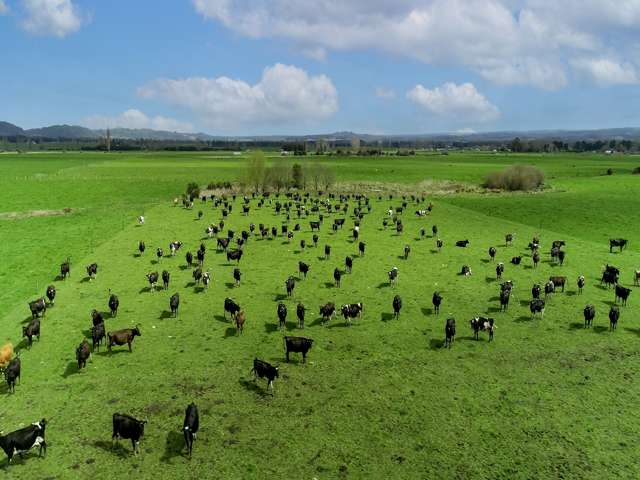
492 253
407 250
263 369
190 426
462 243
581 282
439 244
24 440
206 279
536 306
92 271
51 294
393 276
174 247
127 427
617 242
352 310
297 345
465 270
153 280
236 276
508 239
38 307
232 307
499 270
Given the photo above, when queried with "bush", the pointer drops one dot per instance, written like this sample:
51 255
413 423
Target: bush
193 190
516 177
636 171
609 171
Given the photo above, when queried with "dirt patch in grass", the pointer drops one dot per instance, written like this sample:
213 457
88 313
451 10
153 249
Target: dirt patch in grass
36 213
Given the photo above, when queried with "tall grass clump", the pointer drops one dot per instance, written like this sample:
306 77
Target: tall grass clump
515 178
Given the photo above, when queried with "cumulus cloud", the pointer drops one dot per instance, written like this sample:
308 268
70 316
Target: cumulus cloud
385 93
606 72
134 118
511 42
458 102
284 94
56 18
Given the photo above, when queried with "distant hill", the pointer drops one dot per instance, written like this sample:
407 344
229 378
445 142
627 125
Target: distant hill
62 131
9 129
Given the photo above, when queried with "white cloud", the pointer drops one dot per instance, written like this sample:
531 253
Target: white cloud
606 72
385 93
285 94
461 103
51 17
510 42
3 8
134 118
315 53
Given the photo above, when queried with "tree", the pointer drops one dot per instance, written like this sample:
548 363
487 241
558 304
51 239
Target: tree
328 177
297 176
256 171
278 176
516 145
193 190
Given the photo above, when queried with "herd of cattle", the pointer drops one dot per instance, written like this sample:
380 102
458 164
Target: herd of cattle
233 245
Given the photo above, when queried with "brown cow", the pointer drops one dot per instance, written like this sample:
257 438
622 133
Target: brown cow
120 337
240 319
558 282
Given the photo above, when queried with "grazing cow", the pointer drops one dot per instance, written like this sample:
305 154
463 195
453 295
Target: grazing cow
297 345
200 256
549 288
282 314
352 310
407 250
174 247
24 440
236 276
263 369
206 279
508 239
492 253
300 311
361 247
617 242
165 279
97 334
197 275
153 280
337 275
436 300
232 307
190 426
499 270
393 276
397 306
120 337
174 304
159 253
12 373
31 330
348 262
51 294
303 268
580 283
92 271
536 306
83 353
536 259
235 255
241 317
439 244
65 269
449 332
290 284
622 294
466 270
516 260
421 213
504 300
558 282
114 304
38 307
327 311
614 316
223 243
462 243
127 427
589 315
327 252
535 291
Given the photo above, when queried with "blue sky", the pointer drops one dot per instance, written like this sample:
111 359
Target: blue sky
300 66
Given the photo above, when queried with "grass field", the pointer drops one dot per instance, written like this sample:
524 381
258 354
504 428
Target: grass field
381 399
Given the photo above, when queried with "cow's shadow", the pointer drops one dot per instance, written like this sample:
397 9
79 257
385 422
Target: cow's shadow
85 280
485 260
278 297
426 311
600 329
524 303
146 290
230 285
221 318
271 327
576 326
199 289
386 317
165 314
114 448
524 319
253 386
72 369
609 303
173 447
184 267
329 285
490 280
434 250
384 285
230 332
436 343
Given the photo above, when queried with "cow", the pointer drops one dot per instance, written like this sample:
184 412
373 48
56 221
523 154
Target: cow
549 288
38 307
281 311
12 373
223 243
51 294
300 311
297 345
236 276
439 244
235 255
120 337
159 253
127 427
558 282
97 334
189 258
65 269
492 253
327 311
356 233
466 270
622 294
421 213
315 239
197 275
536 306
190 426
96 317
361 247
407 250
434 230
232 307
508 239
327 251
397 306
290 284
337 275
339 222
303 268
352 310
516 260
141 219
462 243
617 242
206 279
114 304
174 247
636 277
393 276
581 282
609 278
536 290
561 255
240 320
399 227
83 353
614 316
200 256
31 330
589 315
165 279
174 304
449 332
504 300
536 258
153 280
555 252
499 270
263 369
348 263
436 300
24 440
482 323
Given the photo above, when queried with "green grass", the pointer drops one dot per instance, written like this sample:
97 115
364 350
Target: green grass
382 399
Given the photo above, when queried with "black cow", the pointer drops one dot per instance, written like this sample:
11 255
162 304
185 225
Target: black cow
141 247
327 311
51 294
434 230
190 426
617 242
492 253
200 256
297 345
581 282
499 270
263 369
97 334
397 306
436 300
609 278
589 315
232 307
462 243
197 275
38 307
83 353
12 373
24 440
290 284
32 330
504 300
337 275
65 269
174 304
361 248
236 276
348 262
561 255
127 427
449 332
165 279
96 317
439 244
300 311
536 306
153 280
508 239
189 258
327 251
314 226
282 314
114 303
315 239
516 260
303 268
223 243
622 294
614 316
92 271
235 255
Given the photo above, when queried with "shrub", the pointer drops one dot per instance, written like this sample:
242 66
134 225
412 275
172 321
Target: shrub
636 171
193 190
609 171
516 177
